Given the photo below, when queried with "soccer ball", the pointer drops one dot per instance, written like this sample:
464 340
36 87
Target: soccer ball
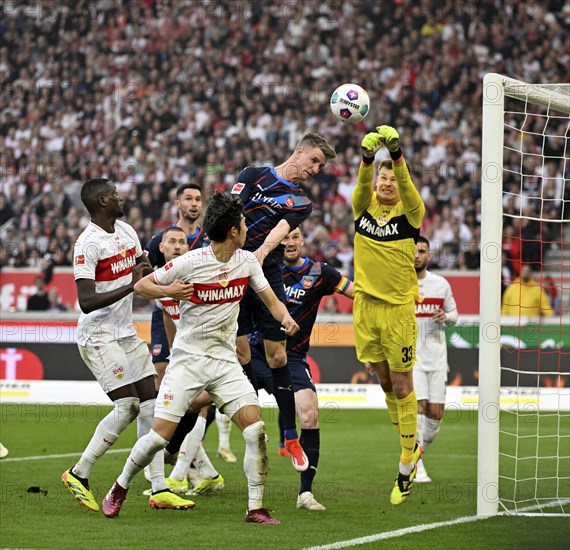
350 103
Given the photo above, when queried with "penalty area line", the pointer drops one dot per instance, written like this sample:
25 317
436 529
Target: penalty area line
427 526
49 457
397 533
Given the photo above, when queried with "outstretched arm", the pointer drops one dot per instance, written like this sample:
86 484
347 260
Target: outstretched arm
411 199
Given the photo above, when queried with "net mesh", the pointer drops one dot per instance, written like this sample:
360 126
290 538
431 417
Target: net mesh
534 447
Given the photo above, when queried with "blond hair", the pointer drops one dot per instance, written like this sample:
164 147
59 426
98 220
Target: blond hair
316 140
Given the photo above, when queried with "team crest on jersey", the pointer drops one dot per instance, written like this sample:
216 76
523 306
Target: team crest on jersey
381 220
167 398
223 279
156 349
122 250
119 373
307 282
290 201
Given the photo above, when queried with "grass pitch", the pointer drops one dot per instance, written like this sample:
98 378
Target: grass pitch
359 459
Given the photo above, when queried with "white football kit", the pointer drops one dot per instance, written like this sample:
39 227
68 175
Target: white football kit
204 349
430 370
171 307
107 339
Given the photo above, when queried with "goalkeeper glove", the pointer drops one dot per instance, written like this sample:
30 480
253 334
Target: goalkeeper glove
370 145
391 139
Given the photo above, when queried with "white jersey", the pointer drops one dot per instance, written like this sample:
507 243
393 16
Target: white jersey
208 321
431 346
171 307
108 259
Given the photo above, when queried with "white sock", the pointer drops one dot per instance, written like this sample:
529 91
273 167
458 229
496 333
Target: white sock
156 467
420 429
406 469
255 463
107 432
203 464
141 455
431 428
189 449
224 428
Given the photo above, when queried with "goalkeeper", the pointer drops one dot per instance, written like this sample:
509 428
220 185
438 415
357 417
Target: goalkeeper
388 214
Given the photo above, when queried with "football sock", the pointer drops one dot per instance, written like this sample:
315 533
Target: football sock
311 443
283 392
203 464
255 463
187 422
224 428
392 404
107 432
431 428
408 420
420 429
210 417
141 455
188 450
250 373
144 424
145 417
281 431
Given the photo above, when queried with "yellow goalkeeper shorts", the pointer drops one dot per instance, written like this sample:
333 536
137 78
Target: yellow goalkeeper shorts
385 331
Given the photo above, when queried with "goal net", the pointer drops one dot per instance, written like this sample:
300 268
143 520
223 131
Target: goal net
524 356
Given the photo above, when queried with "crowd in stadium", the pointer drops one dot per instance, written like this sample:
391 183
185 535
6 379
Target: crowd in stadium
154 94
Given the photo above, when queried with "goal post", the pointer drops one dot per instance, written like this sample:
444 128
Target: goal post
552 103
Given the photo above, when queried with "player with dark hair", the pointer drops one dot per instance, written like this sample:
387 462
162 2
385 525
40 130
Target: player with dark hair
305 283
210 282
387 218
108 261
190 203
173 245
435 310
275 203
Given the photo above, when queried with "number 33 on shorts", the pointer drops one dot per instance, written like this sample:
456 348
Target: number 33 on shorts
407 354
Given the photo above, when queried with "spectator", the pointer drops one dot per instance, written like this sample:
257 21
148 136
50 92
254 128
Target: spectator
205 107
525 297
39 300
55 302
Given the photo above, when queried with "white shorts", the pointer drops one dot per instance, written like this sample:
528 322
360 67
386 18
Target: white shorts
187 375
430 385
118 363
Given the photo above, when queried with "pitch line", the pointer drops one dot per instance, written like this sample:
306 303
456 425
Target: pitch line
393 534
48 457
428 526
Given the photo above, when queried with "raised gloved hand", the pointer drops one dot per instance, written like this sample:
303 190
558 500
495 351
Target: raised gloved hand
389 137
371 144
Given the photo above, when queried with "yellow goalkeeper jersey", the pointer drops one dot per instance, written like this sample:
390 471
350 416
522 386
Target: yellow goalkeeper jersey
385 238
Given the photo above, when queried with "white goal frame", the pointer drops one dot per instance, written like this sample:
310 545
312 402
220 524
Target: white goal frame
495 88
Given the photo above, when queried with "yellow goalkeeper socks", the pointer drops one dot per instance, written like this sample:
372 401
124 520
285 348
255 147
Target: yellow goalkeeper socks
392 403
408 418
